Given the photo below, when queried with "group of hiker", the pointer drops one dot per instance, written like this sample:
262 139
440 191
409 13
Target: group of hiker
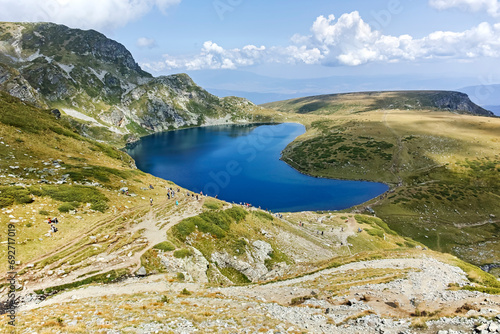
52 223
171 192
192 195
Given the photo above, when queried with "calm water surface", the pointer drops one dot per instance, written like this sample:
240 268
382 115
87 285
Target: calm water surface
240 163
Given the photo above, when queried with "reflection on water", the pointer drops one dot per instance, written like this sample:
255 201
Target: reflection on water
240 163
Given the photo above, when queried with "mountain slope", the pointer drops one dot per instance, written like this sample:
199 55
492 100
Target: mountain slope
442 166
366 101
117 261
84 72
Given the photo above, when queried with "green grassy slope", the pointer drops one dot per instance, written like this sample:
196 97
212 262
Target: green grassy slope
443 168
48 169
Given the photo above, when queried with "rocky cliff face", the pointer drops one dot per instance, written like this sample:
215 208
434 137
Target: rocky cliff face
84 72
12 82
455 101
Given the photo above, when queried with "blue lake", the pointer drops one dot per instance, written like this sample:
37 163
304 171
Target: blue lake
241 163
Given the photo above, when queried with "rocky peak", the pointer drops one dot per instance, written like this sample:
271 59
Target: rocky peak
428 99
54 40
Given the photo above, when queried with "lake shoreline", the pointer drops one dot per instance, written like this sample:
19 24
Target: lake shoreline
326 194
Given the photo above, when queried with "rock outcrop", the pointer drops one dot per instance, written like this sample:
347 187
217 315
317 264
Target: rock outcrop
460 102
253 266
13 83
192 267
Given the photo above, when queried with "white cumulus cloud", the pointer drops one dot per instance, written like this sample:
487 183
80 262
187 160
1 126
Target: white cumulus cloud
85 14
492 7
213 56
346 41
351 41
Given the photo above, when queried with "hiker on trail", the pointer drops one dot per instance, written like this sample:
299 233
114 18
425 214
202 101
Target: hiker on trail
53 228
151 186
176 202
151 201
196 196
168 195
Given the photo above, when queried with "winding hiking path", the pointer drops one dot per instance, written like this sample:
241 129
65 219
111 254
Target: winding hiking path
421 283
152 226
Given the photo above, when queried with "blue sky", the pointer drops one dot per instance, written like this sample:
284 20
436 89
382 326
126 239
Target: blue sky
313 47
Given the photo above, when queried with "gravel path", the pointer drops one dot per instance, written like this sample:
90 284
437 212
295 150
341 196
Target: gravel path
426 280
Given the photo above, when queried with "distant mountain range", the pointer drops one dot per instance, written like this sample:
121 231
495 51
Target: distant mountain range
493 109
483 95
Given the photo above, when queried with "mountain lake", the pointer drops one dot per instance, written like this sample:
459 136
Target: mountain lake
241 164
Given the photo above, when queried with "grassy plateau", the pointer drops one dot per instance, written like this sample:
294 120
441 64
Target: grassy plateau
443 167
